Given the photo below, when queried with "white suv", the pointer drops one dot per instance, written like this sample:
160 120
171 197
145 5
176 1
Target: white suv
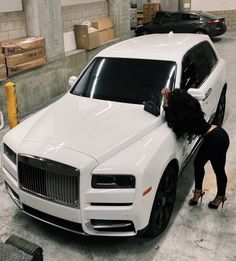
95 162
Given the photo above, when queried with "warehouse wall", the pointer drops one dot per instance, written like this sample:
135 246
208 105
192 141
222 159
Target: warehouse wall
120 13
213 5
77 14
10 6
12 25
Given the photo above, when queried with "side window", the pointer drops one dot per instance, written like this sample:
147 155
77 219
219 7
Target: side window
189 17
173 17
188 77
202 64
169 18
210 53
196 66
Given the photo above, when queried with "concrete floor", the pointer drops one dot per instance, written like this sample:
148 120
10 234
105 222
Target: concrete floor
194 233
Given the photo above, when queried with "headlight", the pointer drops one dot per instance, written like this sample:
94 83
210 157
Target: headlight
113 181
9 153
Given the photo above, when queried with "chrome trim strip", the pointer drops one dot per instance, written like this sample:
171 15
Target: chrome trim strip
121 225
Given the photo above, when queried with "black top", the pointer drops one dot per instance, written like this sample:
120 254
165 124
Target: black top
203 127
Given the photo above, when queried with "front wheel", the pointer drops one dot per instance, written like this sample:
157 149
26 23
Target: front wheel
163 203
145 32
220 111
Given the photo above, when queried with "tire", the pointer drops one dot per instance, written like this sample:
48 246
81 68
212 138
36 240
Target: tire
220 111
163 203
145 32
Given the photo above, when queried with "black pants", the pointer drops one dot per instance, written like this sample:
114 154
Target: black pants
213 148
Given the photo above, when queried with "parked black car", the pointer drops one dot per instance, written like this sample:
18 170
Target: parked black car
184 22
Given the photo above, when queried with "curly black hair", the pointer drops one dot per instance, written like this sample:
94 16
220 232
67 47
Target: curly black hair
185 116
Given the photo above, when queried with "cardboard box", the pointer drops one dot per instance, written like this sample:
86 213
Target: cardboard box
107 35
103 23
2 59
147 19
149 11
20 45
12 70
3 72
25 57
84 38
151 6
106 29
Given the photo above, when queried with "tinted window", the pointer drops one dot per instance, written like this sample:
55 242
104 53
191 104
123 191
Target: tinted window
169 18
201 63
188 78
189 17
125 80
159 15
195 67
210 53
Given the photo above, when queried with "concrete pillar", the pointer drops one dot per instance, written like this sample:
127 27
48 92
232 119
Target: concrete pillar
119 11
169 5
43 18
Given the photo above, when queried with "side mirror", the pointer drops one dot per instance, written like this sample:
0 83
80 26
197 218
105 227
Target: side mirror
196 93
153 105
72 80
1 120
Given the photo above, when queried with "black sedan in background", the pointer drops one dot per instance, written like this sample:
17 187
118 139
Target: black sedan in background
184 22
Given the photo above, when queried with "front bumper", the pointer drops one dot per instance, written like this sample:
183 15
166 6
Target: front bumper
103 212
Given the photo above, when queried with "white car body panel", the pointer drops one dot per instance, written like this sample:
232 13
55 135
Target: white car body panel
92 126
110 138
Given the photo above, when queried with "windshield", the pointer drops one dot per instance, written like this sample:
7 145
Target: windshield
125 80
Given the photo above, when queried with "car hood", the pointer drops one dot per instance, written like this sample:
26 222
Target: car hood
94 127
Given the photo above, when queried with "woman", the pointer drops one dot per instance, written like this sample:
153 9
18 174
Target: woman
186 118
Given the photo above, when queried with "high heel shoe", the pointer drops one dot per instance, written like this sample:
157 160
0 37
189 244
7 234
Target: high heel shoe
220 199
197 194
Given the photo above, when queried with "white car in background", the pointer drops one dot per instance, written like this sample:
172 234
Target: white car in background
95 162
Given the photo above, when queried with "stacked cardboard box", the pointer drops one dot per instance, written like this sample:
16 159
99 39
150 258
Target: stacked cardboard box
23 54
3 71
140 18
106 29
86 37
149 11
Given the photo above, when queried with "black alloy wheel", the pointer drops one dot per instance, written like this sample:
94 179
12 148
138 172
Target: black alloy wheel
220 111
163 203
145 32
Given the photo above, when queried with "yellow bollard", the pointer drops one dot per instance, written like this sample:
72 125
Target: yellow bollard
1 120
12 110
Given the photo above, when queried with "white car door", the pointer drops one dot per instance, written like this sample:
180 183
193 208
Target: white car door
202 78
209 71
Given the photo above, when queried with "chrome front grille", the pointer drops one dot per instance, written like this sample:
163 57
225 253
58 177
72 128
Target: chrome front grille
49 179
